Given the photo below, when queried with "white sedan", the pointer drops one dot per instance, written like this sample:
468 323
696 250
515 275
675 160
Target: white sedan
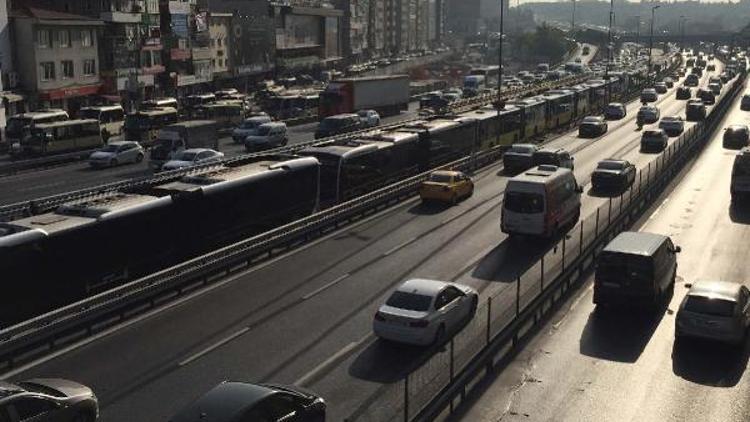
423 312
369 118
193 157
116 153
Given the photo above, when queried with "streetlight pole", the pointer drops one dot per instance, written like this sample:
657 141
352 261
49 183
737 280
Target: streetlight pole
638 29
573 18
500 104
682 32
609 48
651 40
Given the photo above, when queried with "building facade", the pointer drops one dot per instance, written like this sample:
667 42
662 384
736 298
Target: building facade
59 64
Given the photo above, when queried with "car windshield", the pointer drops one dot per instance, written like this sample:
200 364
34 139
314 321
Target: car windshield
409 301
249 124
362 113
38 388
110 148
620 265
524 202
264 130
186 156
591 120
611 165
710 306
440 178
332 123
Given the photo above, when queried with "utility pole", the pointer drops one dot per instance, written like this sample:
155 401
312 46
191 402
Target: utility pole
638 29
499 103
573 18
651 40
609 48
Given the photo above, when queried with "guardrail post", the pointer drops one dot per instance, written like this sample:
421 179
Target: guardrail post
580 241
518 295
648 174
563 254
620 212
489 318
452 367
541 276
596 227
609 214
406 398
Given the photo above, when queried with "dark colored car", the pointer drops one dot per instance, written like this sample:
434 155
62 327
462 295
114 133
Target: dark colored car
660 87
636 268
592 126
338 124
554 156
711 67
697 71
241 402
613 175
736 136
745 102
684 93
649 114
692 80
695 111
706 95
519 157
654 140
615 111
47 400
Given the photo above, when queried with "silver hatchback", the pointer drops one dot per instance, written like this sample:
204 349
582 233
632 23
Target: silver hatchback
714 310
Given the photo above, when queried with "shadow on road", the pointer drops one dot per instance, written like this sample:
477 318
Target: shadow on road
510 259
709 363
428 208
619 334
386 362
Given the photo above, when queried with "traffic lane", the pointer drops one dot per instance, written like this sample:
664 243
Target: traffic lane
583 366
168 351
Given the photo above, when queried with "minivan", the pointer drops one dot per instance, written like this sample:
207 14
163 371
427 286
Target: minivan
269 135
636 268
541 201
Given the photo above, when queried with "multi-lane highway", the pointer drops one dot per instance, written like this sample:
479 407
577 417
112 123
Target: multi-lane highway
305 317
588 366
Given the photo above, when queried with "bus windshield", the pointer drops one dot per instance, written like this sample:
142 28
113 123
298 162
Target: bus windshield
16 125
90 114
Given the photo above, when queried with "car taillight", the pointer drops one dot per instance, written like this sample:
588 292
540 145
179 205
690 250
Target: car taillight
419 324
379 317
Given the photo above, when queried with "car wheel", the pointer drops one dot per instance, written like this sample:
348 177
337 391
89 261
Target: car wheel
83 417
284 142
439 335
113 162
139 158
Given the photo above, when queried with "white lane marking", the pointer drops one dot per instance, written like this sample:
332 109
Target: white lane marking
214 346
399 246
197 293
658 209
325 286
304 379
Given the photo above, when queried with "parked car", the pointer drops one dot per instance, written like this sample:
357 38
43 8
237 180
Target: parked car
269 135
249 127
615 111
425 312
745 102
47 400
245 402
446 186
338 124
736 136
636 268
684 93
116 153
654 140
554 156
714 310
193 157
519 157
649 114
592 126
660 87
706 95
649 95
672 125
613 175
695 111
370 118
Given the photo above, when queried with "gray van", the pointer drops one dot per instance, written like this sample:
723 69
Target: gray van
636 268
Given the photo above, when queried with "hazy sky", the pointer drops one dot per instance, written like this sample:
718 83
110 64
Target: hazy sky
516 2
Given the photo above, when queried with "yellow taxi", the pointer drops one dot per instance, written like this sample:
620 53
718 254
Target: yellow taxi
446 186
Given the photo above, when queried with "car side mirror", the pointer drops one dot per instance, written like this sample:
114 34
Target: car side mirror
688 285
579 189
677 249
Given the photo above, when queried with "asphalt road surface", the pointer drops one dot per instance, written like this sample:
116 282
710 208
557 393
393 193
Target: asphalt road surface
588 366
305 318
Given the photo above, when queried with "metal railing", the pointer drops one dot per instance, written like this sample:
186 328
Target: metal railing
27 208
507 315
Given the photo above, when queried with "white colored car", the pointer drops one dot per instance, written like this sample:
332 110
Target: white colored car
370 118
249 127
193 157
116 153
423 312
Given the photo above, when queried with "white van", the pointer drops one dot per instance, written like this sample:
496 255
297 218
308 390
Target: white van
111 118
541 201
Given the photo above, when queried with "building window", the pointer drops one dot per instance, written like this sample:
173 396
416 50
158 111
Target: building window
42 36
213 62
87 40
64 38
67 69
89 67
157 58
47 71
219 41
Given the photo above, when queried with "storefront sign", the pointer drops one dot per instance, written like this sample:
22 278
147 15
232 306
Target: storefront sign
79 91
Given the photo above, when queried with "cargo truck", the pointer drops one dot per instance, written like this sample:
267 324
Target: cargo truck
386 94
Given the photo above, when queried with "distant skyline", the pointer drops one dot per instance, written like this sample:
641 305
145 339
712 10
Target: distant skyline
513 3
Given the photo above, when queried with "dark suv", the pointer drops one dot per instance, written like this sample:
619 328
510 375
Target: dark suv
684 93
556 157
706 95
736 136
338 124
519 157
695 111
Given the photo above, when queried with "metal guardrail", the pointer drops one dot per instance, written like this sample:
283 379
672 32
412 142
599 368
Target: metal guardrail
495 334
16 166
27 208
43 331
